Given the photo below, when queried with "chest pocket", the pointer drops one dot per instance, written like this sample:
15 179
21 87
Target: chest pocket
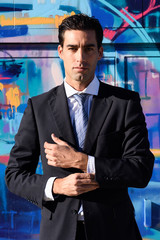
110 145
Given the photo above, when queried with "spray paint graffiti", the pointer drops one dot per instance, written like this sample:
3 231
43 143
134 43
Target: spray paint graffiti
130 19
116 17
20 79
24 74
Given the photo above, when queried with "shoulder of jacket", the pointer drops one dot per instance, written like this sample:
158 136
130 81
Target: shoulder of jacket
46 95
119 92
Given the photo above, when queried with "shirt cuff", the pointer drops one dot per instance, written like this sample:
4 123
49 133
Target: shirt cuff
91 165
48 193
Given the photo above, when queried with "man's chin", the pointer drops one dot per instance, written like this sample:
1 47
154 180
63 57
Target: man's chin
80 78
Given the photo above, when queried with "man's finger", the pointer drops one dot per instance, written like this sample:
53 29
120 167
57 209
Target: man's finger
48 145
58 141
87 182
85 176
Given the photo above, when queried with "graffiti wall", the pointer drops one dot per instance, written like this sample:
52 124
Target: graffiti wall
37 20
29 65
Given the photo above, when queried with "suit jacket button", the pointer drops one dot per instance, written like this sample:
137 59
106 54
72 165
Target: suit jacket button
106 178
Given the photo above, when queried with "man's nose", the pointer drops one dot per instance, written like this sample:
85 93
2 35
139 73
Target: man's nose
80 55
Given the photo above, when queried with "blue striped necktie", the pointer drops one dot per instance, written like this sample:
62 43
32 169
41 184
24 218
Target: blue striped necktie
80 119
80 126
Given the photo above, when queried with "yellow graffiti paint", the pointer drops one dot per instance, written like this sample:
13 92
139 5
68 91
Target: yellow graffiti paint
148 239
1 86
33 20
13 97
156 152
59 19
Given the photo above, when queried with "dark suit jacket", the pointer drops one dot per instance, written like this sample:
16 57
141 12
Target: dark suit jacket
116 136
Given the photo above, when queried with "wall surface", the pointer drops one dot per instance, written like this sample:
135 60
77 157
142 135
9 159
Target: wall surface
29 65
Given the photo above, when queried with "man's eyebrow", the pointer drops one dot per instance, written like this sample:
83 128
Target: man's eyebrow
72 45
86 45
90 45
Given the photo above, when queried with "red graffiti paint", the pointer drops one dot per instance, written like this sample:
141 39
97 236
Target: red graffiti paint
113 34
4 78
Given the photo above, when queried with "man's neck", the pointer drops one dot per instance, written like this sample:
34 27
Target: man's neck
78 85
92 88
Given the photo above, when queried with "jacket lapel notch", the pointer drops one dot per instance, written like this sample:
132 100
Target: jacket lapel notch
98 114
60 113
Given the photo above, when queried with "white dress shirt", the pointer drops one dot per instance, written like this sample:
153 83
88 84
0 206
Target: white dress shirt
91 89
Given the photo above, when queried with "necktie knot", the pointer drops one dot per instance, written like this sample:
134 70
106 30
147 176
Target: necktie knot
81 98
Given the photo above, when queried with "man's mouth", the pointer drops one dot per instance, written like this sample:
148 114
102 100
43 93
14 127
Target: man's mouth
80 69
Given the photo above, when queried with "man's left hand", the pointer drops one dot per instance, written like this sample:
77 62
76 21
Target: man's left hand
61 154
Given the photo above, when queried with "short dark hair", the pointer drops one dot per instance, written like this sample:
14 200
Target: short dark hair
81 22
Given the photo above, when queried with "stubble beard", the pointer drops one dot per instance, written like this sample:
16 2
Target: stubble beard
83 79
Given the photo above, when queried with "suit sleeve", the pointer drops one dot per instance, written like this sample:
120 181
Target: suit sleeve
21 177
129 162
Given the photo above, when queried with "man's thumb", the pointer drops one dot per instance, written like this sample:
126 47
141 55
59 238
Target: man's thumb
57 140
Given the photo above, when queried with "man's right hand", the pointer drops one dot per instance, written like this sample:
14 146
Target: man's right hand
75 184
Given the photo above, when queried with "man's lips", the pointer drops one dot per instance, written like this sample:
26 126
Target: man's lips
80 68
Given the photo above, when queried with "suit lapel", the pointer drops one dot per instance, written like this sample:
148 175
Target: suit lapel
60 112
101 105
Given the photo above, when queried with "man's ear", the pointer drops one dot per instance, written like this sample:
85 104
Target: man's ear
60 51
100 52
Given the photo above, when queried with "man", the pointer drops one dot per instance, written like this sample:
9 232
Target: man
92 150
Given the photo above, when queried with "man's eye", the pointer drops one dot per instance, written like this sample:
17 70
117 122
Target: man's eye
72 49
89 49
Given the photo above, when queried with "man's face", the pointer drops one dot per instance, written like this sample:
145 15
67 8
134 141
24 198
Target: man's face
80 55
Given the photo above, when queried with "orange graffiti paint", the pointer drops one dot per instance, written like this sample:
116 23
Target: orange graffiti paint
13 97
33 20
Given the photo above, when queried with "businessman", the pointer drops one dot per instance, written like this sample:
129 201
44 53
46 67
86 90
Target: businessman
93 143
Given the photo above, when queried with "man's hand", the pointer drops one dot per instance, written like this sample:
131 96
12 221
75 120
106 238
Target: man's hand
63 155
75 184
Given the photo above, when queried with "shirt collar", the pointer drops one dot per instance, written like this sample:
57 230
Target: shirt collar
92 88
